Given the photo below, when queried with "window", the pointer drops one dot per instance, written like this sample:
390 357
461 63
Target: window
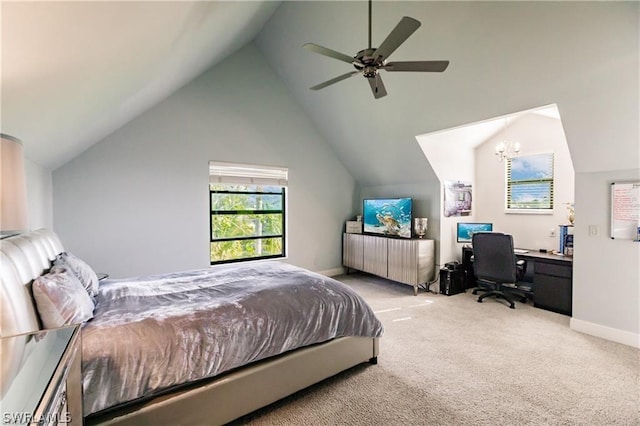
247 205
530 183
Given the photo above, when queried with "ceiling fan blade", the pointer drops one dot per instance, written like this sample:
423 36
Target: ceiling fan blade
400 33
424 66
334 80
328 52
377 86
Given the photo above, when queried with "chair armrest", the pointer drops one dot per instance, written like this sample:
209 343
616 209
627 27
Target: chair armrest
524 287
521 269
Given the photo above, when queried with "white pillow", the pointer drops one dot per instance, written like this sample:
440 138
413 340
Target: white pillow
80 269
61 299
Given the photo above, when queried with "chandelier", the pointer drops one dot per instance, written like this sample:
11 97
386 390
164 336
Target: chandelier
507 150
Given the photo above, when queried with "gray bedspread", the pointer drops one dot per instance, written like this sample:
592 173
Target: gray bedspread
152 333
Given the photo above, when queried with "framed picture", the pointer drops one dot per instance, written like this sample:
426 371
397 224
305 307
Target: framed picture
457 198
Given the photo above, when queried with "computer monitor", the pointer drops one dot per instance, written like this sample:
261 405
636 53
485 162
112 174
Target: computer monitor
465 230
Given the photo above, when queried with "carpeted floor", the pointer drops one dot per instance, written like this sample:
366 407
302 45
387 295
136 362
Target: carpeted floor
453 361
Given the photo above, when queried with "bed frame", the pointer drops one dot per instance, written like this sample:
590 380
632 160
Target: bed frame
247 389
216 401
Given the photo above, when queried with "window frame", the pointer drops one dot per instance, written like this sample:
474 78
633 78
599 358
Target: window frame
281 236
510 183
227 177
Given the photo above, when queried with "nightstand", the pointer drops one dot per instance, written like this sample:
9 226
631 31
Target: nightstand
41 378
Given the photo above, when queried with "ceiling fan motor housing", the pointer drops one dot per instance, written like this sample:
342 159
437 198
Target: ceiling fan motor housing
365 61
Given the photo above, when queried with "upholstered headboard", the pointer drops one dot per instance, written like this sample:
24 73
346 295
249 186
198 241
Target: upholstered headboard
23 258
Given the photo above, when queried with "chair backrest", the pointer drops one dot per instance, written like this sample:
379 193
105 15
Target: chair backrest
493 257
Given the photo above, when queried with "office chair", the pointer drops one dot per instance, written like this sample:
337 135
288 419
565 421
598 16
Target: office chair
496 267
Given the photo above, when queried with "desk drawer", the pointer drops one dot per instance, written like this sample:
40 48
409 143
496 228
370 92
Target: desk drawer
553 269
553 293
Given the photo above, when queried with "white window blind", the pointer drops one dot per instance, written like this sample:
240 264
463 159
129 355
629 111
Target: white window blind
235 173
530 183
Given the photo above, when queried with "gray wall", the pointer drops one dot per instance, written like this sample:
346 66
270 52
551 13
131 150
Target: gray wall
39 195
606 272
137 202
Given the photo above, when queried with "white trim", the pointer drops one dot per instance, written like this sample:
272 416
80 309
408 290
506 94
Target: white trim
250 174
333 272
528 211
613 334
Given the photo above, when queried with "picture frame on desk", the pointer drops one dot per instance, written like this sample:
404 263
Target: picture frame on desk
568 245
353 227
564 232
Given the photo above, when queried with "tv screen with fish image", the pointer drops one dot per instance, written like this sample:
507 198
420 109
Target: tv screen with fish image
387 216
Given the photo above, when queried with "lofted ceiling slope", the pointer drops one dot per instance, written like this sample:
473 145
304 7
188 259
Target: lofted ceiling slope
74 72
505 57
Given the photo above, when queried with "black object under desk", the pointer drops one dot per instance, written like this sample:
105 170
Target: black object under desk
550 275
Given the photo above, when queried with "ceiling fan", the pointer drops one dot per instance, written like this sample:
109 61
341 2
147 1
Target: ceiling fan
370 61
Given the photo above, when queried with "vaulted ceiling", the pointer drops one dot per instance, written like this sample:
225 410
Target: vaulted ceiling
505 57
73 72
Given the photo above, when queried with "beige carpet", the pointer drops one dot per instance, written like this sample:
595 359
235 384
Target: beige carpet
453 361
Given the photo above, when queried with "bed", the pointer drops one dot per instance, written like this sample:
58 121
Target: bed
197 347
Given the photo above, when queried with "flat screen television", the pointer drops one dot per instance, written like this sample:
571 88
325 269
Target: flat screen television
465 230
387 216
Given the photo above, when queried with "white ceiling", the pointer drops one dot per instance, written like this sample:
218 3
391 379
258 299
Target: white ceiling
504 57
471 135
74 72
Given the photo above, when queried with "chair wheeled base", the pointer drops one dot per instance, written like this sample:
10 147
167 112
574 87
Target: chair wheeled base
498 295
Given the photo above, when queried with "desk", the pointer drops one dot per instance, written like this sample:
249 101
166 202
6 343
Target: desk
549 274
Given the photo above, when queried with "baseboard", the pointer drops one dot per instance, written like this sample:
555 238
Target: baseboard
333 272
613 334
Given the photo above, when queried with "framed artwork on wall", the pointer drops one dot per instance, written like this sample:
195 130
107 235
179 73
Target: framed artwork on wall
457 198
